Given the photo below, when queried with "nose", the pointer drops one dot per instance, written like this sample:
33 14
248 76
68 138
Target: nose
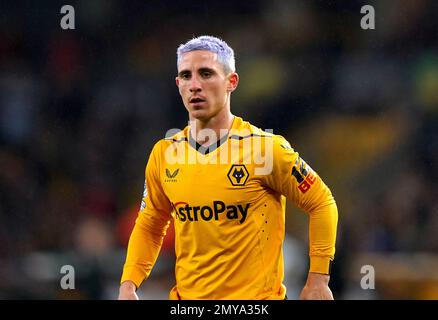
195 84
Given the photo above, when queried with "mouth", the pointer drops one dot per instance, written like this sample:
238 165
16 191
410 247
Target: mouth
196 100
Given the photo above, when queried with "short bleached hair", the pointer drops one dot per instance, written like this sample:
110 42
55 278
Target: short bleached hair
225 54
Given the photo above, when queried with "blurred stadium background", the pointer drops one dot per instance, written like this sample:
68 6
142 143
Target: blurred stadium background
80 110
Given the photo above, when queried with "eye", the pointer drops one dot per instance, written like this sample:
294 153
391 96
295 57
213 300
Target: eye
185 75
206 74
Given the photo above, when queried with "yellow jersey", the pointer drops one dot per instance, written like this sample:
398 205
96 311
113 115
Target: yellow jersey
228 204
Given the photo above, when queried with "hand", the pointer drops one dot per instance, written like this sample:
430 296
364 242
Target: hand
127 291
316 288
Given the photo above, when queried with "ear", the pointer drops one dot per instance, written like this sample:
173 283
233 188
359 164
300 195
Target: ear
233 81
177 81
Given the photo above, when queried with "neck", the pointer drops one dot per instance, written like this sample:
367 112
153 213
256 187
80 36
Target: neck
220 124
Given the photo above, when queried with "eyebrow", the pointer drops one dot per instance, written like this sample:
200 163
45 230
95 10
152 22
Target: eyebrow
206 69
182 72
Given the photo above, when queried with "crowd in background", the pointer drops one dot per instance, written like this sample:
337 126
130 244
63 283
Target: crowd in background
81 109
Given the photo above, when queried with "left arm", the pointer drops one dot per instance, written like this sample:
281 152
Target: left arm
323 219
322 238
316 287
294 178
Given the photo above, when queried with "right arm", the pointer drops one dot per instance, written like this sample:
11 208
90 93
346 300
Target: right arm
128 290
149 231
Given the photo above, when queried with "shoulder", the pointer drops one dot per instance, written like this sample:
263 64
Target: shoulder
243 129
278 141
178 137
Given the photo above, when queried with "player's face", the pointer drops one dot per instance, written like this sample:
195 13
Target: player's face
203 84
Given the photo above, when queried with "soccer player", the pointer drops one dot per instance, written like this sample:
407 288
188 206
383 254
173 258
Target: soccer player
224 182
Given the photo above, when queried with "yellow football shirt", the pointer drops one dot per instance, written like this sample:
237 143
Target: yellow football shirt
228 205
